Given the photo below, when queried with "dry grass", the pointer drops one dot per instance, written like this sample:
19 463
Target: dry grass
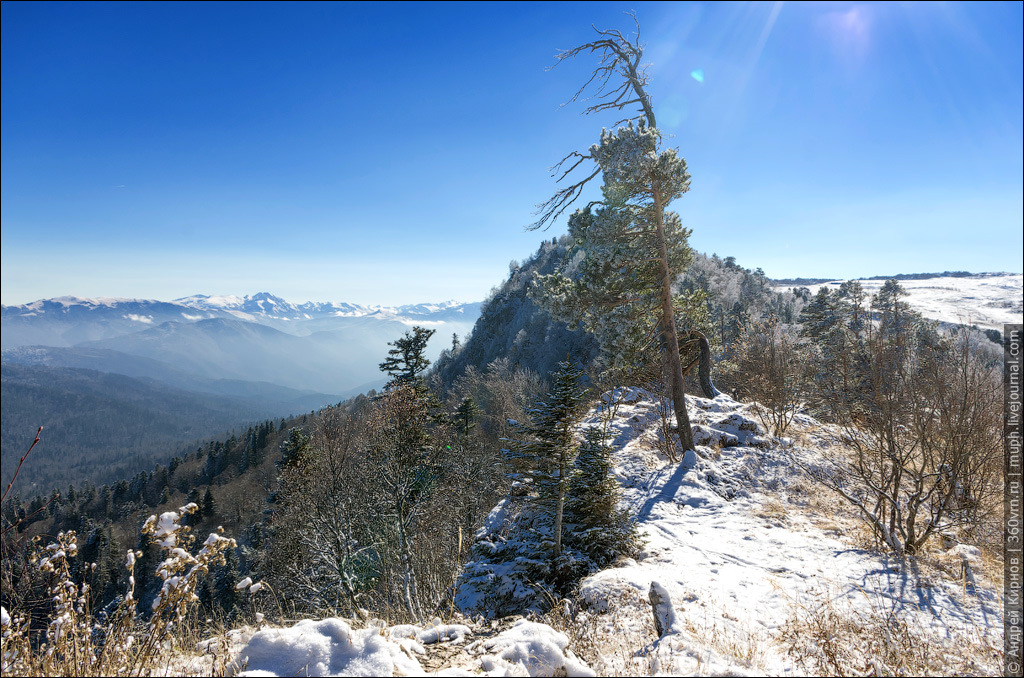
824 636
774 511
75 643
612 640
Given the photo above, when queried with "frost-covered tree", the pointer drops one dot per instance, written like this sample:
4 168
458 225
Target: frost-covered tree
598 527
773 369
633 248
543 455
295 450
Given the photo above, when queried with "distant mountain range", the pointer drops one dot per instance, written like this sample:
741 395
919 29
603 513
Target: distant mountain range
175 371
331 348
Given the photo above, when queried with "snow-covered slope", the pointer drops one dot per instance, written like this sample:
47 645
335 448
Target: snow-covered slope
988 300
757 573
750 552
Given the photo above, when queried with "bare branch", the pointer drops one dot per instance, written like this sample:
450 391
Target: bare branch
619 58
580 158
559 202
22 461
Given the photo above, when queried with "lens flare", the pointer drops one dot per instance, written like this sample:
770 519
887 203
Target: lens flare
697 74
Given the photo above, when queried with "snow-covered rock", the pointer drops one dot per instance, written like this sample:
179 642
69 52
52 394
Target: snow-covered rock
528 649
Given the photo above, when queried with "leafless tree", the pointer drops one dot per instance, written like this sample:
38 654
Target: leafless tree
925 440
773 373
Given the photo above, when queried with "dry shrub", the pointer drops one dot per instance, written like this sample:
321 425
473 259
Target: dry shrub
75 643
774 511
612 640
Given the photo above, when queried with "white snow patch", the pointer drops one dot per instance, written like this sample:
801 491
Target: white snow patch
988 300
324 648
734 571
528 649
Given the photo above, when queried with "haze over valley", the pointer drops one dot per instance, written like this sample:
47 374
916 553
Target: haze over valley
69 361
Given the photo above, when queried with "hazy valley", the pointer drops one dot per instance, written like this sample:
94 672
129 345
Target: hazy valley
119 384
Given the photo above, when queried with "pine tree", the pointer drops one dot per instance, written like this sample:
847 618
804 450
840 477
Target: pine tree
599 528
407 360
636 249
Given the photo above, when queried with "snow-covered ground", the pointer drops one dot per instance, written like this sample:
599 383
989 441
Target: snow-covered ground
746 558
758 572
988 300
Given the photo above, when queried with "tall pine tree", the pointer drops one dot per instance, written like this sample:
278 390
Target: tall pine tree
633 248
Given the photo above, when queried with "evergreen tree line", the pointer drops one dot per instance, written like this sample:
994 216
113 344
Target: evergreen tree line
107 519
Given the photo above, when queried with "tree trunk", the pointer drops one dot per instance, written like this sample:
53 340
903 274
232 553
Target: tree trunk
558 516
670 342
704 370
412 603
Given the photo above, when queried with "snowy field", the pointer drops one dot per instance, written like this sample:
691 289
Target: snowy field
758 571
986 300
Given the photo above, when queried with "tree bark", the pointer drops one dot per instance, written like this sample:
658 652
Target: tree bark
558 516
670 343
703 359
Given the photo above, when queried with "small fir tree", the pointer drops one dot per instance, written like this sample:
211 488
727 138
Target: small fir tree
599 528
544 455
466 415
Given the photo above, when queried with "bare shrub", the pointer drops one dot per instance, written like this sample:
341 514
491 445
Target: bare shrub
925 442
770 371
824 638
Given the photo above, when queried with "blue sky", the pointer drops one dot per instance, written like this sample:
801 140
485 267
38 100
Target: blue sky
381 153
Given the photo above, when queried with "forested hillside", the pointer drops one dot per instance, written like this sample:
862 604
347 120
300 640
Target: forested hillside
103 427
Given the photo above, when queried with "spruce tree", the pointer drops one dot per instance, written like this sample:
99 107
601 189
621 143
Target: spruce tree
465 416
543 456
209 505
599 528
